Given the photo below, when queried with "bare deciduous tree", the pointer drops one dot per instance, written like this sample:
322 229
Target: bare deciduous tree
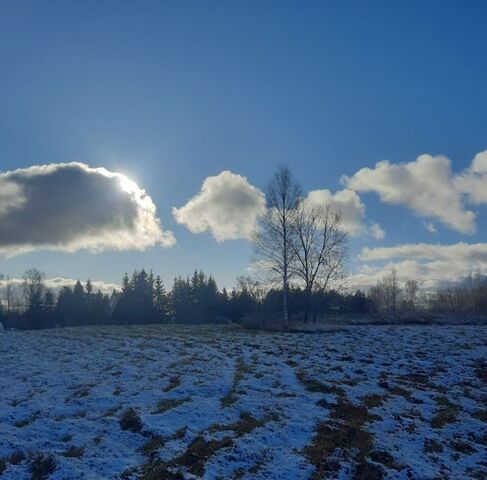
386 293
9 294
319 247
252 287
411 288
274 240
33 288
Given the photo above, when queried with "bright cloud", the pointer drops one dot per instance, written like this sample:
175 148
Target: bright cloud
228 206
432 264
349 204
71 206
473 182
470 253
426 185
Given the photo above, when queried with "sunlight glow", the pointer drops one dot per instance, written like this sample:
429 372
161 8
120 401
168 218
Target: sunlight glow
128 185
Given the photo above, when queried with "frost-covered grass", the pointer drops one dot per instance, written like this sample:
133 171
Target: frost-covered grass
169 402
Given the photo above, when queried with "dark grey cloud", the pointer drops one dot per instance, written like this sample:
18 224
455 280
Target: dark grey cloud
71 206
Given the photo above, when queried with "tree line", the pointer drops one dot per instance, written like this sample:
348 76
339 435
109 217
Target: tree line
468 295
143 299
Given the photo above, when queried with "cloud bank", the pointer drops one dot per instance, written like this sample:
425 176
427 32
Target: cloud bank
435 265
228 206
71 206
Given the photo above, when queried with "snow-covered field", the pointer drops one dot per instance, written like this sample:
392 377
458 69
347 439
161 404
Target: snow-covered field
218 402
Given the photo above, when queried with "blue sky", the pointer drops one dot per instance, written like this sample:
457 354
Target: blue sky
170 93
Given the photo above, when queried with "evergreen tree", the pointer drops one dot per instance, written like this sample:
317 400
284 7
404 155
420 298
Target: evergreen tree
88 287
161 310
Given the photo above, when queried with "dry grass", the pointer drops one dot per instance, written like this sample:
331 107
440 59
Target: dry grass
314 386
16 458
193 460
373 401
432 446
130 421
344 431
481 415
169 403
74 452
447 413
42 466
368 471
154 443
481 370
240 370
111 411
174 382
385 458
246 424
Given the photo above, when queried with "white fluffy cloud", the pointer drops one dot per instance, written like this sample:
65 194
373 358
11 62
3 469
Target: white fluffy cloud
349 204
71 206
228 206
473 182
433 264
426 185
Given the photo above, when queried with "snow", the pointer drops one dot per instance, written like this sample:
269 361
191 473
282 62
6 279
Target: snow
69 387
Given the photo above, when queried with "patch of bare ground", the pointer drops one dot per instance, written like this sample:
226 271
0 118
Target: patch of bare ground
481 370
461 446
373 400
193 460
246 424
174 382
315 386
446 413
16 458
27 421
481 415
111 411
431 446
169 403
343 432
401 392
74 452
130 420
42 466
368 471
240 370
386 459
155 442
